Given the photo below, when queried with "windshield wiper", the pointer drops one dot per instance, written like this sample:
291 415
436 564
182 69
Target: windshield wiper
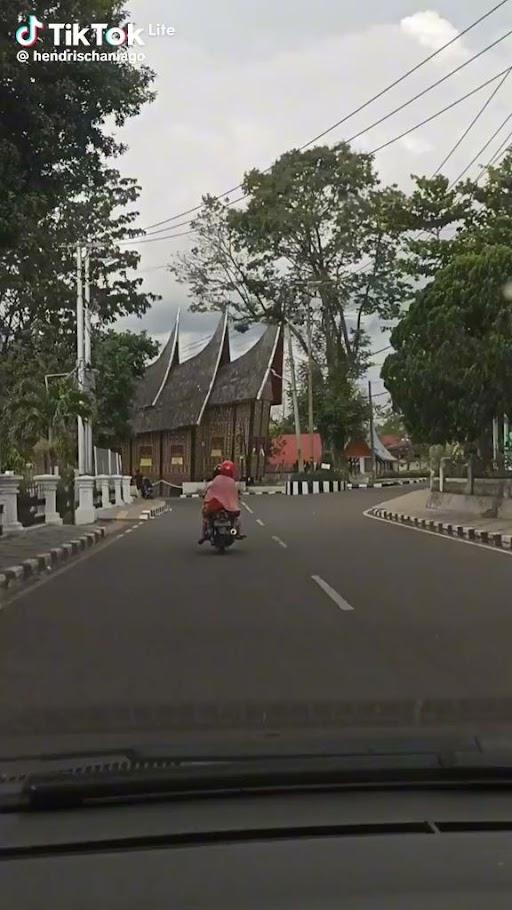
180 778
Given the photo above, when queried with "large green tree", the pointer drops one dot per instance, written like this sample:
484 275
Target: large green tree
59 186
319 237
54 115
451 371
317 223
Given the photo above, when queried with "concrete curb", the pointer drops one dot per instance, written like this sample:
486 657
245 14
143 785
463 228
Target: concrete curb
153 513
264 493
43 562
495 539
386 483
314 487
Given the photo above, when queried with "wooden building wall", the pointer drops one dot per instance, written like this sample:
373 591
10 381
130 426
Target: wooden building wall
238 432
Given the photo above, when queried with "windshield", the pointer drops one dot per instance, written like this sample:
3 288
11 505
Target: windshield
255 373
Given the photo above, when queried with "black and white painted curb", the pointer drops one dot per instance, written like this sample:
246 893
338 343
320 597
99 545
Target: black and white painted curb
463 532
46 561
153 512
245 493
311 487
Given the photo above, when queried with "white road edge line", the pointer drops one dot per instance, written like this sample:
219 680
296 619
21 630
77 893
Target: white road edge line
281 542
260 522
337 598
248 508
471 543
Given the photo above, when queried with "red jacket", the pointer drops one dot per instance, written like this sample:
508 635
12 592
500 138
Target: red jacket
222 493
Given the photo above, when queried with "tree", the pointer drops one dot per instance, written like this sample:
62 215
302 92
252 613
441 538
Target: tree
38 276
316 224
45 417
120 359
308 222
389 422
54 114
451 371
340 410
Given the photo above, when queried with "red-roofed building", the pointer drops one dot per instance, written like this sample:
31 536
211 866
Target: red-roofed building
399 446
283 456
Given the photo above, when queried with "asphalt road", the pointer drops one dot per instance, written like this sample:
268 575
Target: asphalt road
319 605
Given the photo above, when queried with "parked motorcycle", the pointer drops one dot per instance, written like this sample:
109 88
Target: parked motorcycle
222 531
147 489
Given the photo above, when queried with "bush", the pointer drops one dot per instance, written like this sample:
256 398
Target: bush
318 475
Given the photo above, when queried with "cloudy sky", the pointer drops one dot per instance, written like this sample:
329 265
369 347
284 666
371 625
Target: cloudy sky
240 82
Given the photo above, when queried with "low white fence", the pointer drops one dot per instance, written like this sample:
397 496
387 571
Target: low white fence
107 462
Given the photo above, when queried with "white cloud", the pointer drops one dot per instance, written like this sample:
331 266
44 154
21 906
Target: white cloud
430 29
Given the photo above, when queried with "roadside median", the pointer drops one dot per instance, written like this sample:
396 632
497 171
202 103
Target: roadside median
412 511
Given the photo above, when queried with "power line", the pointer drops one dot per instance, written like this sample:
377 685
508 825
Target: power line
473 122
379 148
494 158
381 350
505 151
481 151
438 113
367 129
357 110
156 239
429 88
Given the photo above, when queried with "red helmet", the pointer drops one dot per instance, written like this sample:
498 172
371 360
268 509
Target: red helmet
227 468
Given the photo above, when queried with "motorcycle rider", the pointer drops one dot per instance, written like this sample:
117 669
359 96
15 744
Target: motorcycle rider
221 495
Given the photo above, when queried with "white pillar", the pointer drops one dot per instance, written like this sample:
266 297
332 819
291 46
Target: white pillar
85 513
117 487
80 354
9 487
126 484
104 482
47 484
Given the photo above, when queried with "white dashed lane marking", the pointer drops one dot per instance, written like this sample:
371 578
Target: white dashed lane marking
337 598
260 522
281 542
248 508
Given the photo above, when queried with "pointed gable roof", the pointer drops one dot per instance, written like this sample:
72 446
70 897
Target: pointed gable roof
185 389
150 386
250 377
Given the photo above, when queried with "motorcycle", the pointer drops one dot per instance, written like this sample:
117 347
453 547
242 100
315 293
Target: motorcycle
222 531
147 489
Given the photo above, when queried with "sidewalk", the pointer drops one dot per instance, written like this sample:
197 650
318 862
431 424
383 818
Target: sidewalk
411 509
41 548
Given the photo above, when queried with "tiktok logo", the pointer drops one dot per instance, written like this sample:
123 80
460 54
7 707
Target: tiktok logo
27 33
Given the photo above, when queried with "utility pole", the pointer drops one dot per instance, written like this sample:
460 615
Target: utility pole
300 458
372 448
80 352
87 360
310 387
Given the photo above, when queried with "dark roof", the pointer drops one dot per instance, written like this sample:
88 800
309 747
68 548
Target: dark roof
173 395
152 382
248 377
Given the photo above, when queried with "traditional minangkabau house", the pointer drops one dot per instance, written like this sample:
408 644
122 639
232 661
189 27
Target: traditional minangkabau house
188 416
